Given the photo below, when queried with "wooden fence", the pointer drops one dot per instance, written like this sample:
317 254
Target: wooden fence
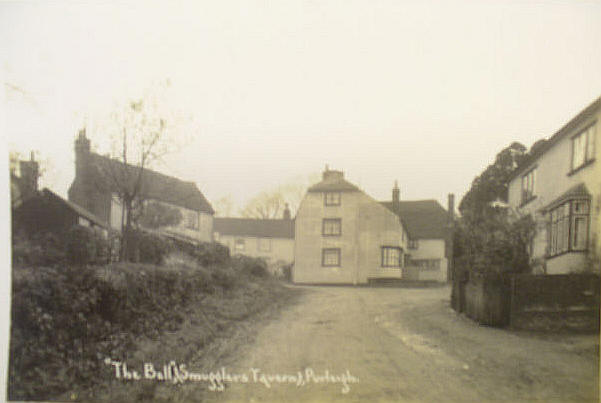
555 302
532 302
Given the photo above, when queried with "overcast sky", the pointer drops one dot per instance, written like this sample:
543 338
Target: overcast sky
426 93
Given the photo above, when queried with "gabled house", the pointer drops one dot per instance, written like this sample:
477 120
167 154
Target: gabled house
429 227
343 236
559 185
95 188
270 239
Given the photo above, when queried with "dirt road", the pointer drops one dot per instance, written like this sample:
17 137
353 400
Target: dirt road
400 344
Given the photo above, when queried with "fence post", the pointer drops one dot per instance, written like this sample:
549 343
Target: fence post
512 302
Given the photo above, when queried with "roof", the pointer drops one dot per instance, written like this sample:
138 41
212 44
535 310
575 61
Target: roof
75 208
575 192
262 228
333 181
423 219
563 132
155 185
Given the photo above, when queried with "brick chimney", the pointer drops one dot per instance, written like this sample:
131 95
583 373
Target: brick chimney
30 172
82 151
333 175
396 198
287 215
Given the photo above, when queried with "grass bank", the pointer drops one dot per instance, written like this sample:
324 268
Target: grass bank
69 322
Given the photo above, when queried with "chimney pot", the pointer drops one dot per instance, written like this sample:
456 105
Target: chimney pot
396 198
287 215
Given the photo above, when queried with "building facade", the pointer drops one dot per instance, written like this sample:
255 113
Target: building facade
269 239
343 236
559 185
429 227
98 180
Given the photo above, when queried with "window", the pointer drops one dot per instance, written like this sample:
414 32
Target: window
413 244
528 186
426 264
264 244
332 199
192 220
391 256
331 227
239 245
583 148
568 227
330 257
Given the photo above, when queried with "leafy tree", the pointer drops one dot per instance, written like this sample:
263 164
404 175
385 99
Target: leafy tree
491 185
490 237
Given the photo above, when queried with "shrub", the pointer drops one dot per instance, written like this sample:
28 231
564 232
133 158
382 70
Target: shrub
153 248
84 245
250 266
42 249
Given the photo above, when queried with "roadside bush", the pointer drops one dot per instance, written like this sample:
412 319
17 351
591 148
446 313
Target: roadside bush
153 248
287 272
81 245
43 249
250 266
205 253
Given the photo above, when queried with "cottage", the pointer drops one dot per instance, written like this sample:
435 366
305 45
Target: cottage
48 212
270 239
560 186
95 189
344 236
428 225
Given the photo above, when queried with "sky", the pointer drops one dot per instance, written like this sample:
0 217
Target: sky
268 92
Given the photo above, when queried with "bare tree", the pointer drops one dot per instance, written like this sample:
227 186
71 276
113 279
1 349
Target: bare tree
139 141
224 207
265 205
271 203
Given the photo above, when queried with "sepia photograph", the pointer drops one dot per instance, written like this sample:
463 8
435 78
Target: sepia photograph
301 201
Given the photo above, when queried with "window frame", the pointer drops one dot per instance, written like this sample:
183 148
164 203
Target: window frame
328 202
239 241
588 154
561 228
413 243
324 251
527 192
324 223
192 224
385 258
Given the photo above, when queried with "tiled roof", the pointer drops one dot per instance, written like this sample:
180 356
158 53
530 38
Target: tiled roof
77 209
564 131
333 183
423 219
262 228
154 184
575 192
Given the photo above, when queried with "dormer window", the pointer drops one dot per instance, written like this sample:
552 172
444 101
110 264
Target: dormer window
528 186
583 148
332 199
